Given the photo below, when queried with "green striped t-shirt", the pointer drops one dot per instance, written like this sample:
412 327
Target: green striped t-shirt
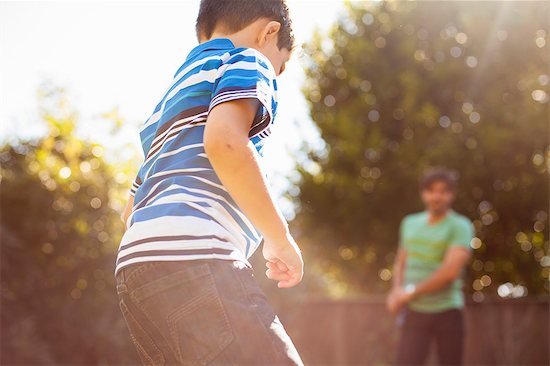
426 245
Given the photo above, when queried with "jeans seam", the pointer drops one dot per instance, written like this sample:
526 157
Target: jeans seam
226 343
138 345
158 330
138 307
144 291
254 309
142 267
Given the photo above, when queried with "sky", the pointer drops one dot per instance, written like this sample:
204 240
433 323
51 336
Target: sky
124 54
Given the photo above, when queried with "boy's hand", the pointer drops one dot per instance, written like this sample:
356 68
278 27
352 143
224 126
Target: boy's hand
284 261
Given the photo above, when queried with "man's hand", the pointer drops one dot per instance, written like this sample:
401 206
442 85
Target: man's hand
397 298
391 303
455 259
284 261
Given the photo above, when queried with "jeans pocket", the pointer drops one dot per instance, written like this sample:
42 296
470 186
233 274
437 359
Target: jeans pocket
182 301
148 351
200 328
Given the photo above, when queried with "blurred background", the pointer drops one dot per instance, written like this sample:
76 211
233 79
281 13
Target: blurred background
377 92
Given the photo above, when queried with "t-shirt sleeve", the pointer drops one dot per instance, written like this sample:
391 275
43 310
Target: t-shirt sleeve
462 234
247 74
135 185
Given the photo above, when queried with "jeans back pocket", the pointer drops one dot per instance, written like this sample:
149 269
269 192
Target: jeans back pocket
187 309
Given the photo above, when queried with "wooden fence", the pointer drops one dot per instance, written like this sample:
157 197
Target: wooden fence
361 332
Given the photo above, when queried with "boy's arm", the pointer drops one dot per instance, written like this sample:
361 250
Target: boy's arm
233 158
127 210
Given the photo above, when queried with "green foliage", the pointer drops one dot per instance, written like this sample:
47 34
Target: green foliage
400 86
60 233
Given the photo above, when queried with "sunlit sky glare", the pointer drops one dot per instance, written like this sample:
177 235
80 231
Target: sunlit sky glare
124 54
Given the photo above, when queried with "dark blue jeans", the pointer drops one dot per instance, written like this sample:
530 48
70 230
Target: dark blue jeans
203 312
446 329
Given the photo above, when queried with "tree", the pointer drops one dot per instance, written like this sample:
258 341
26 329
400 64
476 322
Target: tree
400 86
60 233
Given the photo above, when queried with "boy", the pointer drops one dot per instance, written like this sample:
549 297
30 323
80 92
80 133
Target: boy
200 203
434 249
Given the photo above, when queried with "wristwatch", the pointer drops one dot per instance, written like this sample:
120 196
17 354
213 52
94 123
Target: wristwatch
410 289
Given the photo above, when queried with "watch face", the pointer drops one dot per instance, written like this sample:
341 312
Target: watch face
410 288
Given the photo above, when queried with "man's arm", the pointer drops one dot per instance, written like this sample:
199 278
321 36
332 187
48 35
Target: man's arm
455 260
399 267
233 158
397 278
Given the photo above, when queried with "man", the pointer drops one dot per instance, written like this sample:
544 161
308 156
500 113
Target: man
200 203
433 251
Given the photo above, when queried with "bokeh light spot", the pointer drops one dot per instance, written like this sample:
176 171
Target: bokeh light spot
374 115
461 38
485 280
444 121
471 61
456 51
474 117
380 42
47 248
539 95
385 274
467 107
367 19
95 202
65 172
475 243
329 100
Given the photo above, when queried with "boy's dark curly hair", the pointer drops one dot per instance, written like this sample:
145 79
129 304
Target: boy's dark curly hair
234 15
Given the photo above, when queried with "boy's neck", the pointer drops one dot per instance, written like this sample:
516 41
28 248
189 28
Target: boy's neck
239 40
246 37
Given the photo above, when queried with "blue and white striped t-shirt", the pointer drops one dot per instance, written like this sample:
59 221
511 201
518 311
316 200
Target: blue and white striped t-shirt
181 209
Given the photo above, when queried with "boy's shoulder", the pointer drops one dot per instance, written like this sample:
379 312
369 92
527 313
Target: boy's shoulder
249 55
220 53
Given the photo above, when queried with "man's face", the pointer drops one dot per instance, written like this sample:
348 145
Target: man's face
438 197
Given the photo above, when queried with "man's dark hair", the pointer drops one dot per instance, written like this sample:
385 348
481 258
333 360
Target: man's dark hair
234 15
438 174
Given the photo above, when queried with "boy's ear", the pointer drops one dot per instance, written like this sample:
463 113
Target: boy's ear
269 31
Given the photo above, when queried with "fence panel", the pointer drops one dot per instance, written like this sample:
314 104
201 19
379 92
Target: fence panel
361 332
